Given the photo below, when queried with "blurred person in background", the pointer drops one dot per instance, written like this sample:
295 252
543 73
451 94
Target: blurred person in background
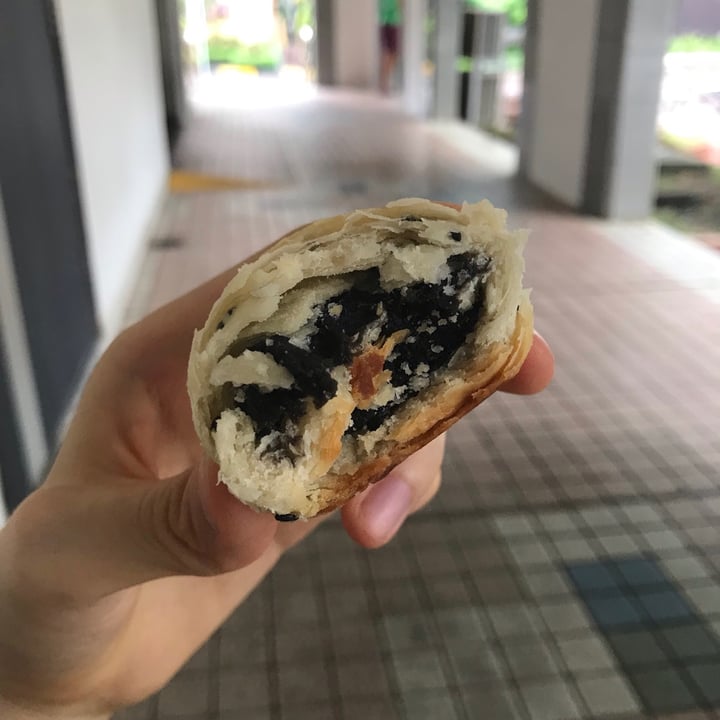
390 16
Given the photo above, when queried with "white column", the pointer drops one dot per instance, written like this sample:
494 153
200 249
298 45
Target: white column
413 47
593 76
356 47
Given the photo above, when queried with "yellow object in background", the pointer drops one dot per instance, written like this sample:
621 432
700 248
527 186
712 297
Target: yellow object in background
184 181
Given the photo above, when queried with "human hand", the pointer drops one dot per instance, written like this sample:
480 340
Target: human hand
130 555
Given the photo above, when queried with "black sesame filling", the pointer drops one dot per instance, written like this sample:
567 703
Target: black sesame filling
438 317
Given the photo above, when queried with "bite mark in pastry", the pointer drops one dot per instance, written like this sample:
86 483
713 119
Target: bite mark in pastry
352 342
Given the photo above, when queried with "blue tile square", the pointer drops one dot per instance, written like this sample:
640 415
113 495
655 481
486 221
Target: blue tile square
640 571
665 606
611 612
591 576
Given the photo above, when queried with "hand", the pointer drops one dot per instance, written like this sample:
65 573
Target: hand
130 555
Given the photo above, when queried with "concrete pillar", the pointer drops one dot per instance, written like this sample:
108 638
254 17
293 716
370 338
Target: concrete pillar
593 73
413 48
348 43
448 16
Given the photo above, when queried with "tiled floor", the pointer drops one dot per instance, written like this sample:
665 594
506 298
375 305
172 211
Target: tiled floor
569 567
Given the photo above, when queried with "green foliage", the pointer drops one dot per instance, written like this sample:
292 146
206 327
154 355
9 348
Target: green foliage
516 9
695 43
226 51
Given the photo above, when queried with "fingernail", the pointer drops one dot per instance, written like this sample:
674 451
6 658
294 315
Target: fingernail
386 506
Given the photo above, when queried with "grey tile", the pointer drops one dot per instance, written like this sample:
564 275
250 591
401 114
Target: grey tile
303 683
447 591
295 608
518 619
476 665
242 688
530 660
362 679
690 641
185 694
618 544
585 653
637 649
663 691
529 554
418 671
342 570
389 563
142 711
439 561
429 705
706 599
410 632
565 616
599 517
243 647
641 513
608 696
347 604
355 641
574 550
199 660
496 702
705 676
497 587
397 598
550 701
382 709
514 525
301 644
686 567
662 540
558 522
461 623
546 583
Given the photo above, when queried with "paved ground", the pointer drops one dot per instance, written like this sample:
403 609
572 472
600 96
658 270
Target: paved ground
570 566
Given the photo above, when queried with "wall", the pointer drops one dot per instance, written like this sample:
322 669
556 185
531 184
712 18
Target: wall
564 71
112 67
356 52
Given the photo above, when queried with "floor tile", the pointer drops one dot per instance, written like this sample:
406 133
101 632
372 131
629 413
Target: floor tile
492 702
612 612
691 641
546 583
706 599
706 677
608 696
303 683
514 620
481 666
550 701
362 679
186 694
243 689
585 653
418 671
382 709
640 571
663 691
564 616
665 606
637 648
429 706
592 575
686 568
530 660
410 632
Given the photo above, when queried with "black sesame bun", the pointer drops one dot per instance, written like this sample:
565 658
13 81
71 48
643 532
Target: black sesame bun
351 343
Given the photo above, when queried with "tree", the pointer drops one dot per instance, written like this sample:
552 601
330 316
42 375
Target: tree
516 10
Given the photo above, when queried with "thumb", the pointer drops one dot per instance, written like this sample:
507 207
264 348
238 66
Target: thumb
97 539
